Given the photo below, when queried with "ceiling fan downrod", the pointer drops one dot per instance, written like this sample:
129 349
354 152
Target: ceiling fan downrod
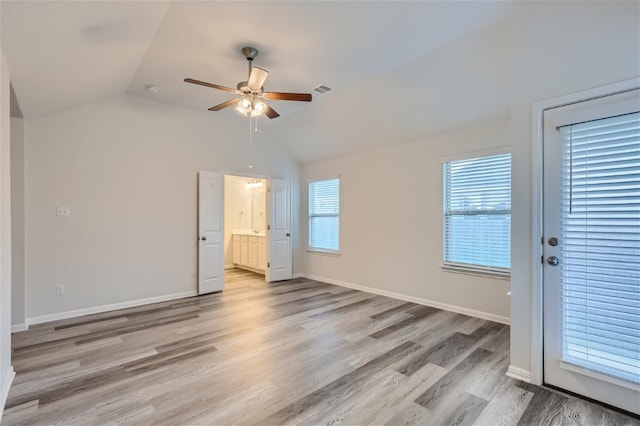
250 53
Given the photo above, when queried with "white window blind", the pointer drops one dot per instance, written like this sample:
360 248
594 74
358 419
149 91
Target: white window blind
477 213
601 246
324 215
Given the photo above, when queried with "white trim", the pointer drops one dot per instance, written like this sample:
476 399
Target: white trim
106 308
537 114
406 298
6 385
536 239
325 252
225 172
323 177
519 374
475 154
478 272
599 376
19 327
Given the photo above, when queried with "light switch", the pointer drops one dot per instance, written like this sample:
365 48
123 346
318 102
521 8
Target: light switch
63 211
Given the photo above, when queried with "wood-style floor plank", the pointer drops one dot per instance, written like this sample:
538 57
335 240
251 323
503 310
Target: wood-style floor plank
293 352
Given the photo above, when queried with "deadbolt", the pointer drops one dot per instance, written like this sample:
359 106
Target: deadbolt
553 241
553 261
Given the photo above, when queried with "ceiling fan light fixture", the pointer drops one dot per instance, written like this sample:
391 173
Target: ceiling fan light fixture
255 113
250 107
251 92
244 106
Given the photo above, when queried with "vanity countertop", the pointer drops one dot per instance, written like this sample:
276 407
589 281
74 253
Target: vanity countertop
249 232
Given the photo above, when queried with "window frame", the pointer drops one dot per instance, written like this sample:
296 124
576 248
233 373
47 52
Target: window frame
320 250
469 268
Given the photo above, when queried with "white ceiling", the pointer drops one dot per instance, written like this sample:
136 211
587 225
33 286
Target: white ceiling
392 78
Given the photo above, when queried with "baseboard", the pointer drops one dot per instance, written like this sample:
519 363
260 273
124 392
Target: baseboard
106 308
6 385
457 309
18 327
519 373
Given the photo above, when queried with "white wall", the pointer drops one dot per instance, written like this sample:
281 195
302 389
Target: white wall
6 370
391 222
17 224
127 169
559 48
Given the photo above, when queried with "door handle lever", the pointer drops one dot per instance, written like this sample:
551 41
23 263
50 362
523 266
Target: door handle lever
203 238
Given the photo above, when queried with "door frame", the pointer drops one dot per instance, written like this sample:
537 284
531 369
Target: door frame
247 175
537 139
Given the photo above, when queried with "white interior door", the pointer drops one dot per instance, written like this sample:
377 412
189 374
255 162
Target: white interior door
210 232
279 252
591 239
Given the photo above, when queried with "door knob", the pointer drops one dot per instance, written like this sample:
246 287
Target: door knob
553 241
204 238
288 234
553 261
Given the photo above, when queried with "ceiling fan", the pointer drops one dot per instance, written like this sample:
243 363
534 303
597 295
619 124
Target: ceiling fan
251 92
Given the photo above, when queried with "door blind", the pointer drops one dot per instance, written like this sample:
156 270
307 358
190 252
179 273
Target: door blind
324 214
477 213
600 263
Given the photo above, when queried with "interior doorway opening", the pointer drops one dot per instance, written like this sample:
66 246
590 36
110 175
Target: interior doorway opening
245 223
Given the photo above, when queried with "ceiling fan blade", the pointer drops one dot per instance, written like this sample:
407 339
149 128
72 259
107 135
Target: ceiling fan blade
214 86
257 78
282 96
270 112
224 104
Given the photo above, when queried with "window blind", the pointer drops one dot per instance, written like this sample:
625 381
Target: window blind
324 214
477 213
600 262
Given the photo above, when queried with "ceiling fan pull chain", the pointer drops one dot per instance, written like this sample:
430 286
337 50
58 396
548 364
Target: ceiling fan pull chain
250 145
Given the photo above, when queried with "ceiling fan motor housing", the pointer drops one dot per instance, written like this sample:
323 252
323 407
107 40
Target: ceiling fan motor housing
250 53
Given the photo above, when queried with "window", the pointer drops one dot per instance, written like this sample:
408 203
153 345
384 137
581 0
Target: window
324 215
601 245
477 214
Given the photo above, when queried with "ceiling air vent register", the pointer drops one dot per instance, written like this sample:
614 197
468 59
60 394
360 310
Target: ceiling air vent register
321 90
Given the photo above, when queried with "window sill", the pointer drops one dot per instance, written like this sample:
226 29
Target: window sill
323 252
477 272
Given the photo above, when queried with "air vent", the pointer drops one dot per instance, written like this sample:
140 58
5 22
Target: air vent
322 89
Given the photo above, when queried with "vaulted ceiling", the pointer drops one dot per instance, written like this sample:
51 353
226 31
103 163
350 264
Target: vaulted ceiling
398 70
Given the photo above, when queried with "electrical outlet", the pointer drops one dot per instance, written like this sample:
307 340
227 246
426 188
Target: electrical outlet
60 289
63 211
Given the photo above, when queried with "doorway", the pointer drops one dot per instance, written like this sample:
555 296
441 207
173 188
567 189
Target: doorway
591 248
245 223
231 228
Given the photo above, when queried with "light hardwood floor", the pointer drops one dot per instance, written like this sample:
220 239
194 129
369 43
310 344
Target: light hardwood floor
296 352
